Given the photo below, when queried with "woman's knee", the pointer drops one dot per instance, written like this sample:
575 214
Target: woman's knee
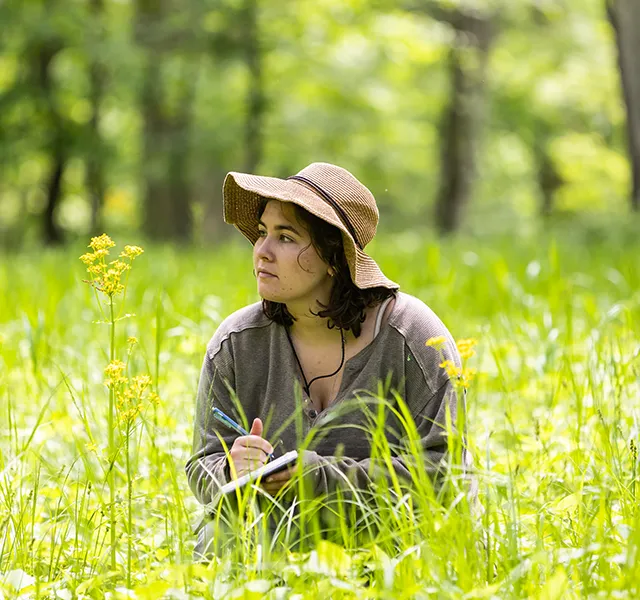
211 540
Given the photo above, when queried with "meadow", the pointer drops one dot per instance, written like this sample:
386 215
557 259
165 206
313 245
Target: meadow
552 417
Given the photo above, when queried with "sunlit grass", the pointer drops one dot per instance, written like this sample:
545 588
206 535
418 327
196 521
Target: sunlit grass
553 421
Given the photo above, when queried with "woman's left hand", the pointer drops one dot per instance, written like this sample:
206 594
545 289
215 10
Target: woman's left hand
274 483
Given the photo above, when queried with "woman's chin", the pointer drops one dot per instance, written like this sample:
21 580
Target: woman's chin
268 295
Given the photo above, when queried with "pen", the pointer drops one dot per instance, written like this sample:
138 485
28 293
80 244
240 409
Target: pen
229 422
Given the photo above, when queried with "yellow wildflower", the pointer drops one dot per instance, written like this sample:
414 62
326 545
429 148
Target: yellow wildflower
127 417
101 242
119 266
436 342
465 347
115 373
106 277
110 283
131 252
466 377
88 258
450 367
111 287
95 270
132 341
115 368
139 384
129 411
131 396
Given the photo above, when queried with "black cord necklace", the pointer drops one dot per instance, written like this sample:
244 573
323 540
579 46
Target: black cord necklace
307 384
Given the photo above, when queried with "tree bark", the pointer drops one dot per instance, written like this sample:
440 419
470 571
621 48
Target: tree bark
166 196
179 159
549 179
624 16
95 160
462 121
157 197
52 233
255 96
213 229
244 40
43 54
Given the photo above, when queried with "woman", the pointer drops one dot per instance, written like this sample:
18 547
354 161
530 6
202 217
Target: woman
329 323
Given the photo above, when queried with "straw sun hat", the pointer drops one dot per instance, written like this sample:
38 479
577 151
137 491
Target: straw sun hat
326 191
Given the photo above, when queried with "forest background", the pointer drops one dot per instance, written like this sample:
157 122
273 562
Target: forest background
501 140
128 114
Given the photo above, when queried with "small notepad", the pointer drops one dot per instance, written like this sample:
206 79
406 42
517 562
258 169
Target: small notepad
264 471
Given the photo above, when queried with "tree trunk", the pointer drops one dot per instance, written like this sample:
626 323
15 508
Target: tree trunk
213 228
179 162
167 197
549 179
157 199
461 124
95 159
256 102
624 16
52 233
245 41
44 53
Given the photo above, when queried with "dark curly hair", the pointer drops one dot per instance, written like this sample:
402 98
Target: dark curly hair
347 302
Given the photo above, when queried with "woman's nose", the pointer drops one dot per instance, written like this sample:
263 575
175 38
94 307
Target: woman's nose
263 250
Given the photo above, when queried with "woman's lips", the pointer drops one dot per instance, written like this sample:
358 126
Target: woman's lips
265 275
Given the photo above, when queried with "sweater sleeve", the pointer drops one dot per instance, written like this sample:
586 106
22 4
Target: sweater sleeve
328 473
207 467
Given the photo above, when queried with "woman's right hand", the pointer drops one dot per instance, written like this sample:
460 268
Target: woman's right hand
249 452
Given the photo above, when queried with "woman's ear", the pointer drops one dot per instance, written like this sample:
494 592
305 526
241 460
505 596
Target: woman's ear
331 271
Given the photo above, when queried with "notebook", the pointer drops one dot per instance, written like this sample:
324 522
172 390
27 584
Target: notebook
275 466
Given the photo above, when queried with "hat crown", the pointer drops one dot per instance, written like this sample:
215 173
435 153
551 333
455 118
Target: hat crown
353 198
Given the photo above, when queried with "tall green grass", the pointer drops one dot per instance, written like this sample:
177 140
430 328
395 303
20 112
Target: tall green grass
552 416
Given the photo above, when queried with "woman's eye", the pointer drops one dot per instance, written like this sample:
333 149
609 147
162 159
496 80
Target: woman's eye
283 238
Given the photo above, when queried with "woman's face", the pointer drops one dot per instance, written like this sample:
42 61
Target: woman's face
287 266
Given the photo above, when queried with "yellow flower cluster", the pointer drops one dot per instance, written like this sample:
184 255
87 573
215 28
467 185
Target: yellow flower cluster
91 257
465 347
463 376
107 277
102 242
466 376
115 374
131 252
436 342
450 367
131 393
154 398
138 385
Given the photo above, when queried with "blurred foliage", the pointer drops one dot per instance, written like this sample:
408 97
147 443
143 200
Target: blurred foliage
361 84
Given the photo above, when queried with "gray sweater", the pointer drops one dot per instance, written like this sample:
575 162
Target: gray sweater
249 371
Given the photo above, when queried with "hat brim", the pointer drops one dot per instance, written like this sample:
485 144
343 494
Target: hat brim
242 194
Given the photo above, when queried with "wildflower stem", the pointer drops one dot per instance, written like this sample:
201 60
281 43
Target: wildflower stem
112 452
95 293
129 506
124 292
